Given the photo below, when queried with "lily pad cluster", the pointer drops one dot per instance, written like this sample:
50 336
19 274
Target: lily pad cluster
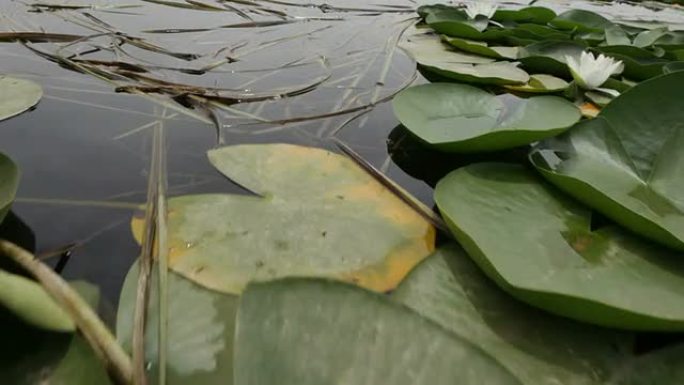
604 245
597 233
522 59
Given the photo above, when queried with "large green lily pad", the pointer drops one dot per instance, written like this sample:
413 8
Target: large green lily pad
537 347
318 214
32 356
627 163
461 118
9 181
312 332
538 245
199 333
17 96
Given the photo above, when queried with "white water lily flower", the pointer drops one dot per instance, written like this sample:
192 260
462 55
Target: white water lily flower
484 8
591 72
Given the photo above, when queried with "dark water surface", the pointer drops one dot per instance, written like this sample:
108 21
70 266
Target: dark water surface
316 74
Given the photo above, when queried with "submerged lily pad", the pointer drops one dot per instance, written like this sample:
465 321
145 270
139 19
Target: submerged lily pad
537 347
664 366
461 118
319 214
9 181
627 163
541 84
538 245
284 336
17 96
200 329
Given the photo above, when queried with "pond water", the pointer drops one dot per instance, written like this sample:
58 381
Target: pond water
107 138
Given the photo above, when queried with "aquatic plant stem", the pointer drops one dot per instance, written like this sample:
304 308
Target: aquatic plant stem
116 360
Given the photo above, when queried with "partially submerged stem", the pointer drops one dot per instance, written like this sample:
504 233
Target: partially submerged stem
116 360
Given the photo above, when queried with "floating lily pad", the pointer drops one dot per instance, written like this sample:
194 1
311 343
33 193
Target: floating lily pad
538 32
541 84
627 163
581 20
30 302
17 96
671 40
538 245
673 67
500 73
461 118
9 181
481 48
640 64
199 333
31 356
455 22
319 214
537 347
284 336
649 37
549 57
537 15
429 48
616 35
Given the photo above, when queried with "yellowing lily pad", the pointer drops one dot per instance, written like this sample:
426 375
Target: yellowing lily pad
318 214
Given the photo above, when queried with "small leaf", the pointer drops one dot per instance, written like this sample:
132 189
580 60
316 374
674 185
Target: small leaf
9 181
615 35
429 48
30 302
541 83
17 96
31 356
481 48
